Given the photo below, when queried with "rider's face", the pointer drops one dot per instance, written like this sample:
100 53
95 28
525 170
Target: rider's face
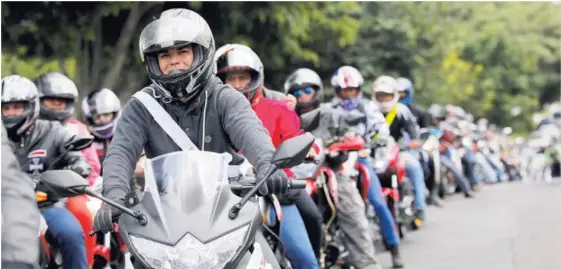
176 59
384 97
105 117
12 109
348 93
238 79
54 103
304 95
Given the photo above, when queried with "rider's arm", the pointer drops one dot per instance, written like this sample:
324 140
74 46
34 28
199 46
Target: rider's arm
71 158
244 127
91 156
410 122
124 150
20 216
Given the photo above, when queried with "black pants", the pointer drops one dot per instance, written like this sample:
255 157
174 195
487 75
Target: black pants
312 219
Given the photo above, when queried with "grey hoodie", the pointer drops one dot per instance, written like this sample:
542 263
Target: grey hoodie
230 125
20 215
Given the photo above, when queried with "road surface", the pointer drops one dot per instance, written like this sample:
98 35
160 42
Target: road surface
507 226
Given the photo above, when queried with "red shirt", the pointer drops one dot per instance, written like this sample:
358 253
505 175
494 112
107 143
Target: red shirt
281 122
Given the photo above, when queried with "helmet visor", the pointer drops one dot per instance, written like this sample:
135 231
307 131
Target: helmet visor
170 31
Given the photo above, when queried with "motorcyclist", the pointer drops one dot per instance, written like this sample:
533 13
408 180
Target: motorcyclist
179 62
19 212
306 85
39 143
58 95
401 120
458 117
101 109
347 82
241 68
447 140
406 94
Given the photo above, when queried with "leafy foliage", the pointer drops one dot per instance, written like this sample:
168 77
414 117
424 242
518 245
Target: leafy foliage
487 57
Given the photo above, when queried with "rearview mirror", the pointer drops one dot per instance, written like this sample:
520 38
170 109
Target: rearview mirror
62 183
310 120
292 152
79 142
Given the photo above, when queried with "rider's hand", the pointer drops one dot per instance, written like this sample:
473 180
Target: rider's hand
290 101
278 182
106 216
80 170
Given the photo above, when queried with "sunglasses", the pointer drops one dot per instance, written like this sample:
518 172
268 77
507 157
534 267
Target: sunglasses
298 93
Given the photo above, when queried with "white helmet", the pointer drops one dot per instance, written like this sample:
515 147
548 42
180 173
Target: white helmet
385 84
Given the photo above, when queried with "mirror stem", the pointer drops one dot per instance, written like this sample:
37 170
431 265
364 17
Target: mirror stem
238 206
137 215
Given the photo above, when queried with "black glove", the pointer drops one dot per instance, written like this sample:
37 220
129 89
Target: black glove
106 216
80 170
278 183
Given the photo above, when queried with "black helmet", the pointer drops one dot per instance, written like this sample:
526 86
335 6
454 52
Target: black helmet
100 102
176 28
17 89
56 85
301 79
233 57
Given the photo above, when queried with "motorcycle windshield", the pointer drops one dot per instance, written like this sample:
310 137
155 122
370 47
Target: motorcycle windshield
193 183
186 180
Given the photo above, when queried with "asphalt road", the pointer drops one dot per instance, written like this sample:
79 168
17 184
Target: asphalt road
507 226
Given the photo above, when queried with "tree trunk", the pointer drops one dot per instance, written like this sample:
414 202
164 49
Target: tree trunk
122 47
97 59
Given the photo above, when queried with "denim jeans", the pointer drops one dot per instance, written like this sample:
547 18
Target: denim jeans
66 230
376 198
414 171
459 178
489 174
295 239
469 159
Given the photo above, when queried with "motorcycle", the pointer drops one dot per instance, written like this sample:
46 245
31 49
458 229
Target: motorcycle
341 153
110 250
49 251
189 217
395 188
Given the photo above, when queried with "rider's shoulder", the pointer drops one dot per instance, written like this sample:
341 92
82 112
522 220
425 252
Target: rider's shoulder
403 109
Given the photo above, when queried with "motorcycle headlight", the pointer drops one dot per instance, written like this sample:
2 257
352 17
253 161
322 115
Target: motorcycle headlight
190 253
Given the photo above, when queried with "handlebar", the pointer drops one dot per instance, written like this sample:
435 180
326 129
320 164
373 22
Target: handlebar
246 183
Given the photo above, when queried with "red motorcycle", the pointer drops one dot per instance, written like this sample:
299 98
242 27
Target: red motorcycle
341 154
391 173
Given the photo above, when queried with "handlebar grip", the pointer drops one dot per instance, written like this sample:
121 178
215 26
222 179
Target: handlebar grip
245 183
297 184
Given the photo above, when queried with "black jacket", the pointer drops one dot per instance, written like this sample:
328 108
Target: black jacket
424 119
39 149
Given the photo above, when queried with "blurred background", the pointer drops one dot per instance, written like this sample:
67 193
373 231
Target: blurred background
497 60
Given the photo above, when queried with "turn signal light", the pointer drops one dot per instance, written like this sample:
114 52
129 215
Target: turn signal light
41 196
